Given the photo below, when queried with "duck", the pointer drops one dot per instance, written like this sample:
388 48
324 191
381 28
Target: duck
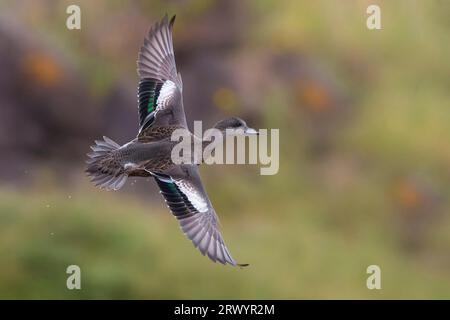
160 113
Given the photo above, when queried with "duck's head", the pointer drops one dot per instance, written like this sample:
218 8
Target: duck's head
234 126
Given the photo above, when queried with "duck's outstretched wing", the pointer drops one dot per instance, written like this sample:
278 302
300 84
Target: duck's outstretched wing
189 203
160 87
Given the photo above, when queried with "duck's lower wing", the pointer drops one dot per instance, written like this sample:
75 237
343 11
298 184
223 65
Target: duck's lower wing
189 203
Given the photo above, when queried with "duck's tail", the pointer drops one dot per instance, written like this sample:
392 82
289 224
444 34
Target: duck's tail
103 167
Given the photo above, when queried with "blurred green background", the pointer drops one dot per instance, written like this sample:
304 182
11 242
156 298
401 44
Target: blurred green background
364 149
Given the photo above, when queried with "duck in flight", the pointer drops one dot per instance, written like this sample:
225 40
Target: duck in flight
161 111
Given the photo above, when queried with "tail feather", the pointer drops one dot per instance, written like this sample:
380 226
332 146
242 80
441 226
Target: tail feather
103 167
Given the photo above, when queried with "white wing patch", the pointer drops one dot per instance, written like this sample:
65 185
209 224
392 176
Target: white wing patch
193 196
166 94
129 165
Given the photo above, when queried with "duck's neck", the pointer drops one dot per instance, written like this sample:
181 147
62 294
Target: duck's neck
211 140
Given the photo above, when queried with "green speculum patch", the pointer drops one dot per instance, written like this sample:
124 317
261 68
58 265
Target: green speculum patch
150 105
172 187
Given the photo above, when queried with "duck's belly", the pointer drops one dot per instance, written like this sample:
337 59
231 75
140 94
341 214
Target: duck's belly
134 154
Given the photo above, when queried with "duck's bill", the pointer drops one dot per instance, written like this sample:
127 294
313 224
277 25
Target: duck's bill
251 131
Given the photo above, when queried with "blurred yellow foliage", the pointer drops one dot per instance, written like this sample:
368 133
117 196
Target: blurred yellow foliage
225 99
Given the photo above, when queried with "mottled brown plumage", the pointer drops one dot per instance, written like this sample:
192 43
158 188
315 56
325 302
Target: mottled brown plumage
155 133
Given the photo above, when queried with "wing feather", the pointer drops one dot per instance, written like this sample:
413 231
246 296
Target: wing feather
157 69
186 198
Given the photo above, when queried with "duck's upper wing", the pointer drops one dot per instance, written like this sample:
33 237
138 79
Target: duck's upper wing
189 203
160 87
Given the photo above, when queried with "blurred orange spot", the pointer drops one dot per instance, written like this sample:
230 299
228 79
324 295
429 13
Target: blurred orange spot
225 99
42 69
407 194
314 96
